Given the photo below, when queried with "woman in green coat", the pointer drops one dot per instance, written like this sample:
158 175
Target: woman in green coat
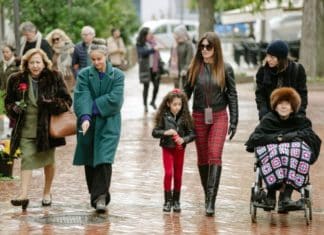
98 99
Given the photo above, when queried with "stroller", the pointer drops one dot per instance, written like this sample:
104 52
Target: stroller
259 193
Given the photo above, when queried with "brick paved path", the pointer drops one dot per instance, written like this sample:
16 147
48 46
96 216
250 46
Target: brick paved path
137 198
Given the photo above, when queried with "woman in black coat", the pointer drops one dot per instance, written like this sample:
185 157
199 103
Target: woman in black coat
286 146
148 60
279 71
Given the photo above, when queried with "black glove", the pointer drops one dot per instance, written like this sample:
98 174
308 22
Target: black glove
231 131
289 136
17 109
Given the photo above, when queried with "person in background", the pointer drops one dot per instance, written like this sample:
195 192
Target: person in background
98 99
7 66
148 59
116 49
285 146
62 58
181 56
80 58
34 94
213 86
279 71
174 128
32 38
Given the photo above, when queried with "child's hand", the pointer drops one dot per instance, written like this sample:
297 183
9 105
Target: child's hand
170 132
179 141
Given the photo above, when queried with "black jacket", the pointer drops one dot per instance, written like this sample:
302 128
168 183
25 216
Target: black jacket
219 99
296 128
171 122
267 80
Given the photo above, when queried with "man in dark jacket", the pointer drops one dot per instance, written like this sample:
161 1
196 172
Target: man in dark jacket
32 38
80 58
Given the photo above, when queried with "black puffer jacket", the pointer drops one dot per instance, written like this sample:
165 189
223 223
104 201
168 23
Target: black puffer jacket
171 122
267 80
220 99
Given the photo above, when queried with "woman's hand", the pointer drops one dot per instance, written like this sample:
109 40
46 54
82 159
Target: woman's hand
85 126
170 132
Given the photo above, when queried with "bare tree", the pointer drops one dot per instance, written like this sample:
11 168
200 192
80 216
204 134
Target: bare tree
312 40
206 16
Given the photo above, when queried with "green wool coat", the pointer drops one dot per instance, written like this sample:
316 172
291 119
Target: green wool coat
99 144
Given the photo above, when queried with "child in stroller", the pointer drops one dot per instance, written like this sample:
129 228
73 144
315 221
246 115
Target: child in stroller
285 146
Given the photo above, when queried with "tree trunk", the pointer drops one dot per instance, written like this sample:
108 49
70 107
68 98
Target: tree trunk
206 16
312 40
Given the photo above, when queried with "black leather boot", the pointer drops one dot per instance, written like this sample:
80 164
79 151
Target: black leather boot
270 200
203 172
167 201
289 205
214 175
176 201
284 199
281 209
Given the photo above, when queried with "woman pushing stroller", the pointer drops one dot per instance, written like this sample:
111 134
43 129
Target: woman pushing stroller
285 146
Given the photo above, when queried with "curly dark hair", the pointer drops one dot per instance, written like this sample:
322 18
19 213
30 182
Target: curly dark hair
184 112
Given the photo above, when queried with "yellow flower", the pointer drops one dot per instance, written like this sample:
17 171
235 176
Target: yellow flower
17 153
5 150
6 144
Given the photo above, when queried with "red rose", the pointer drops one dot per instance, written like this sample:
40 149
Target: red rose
22 87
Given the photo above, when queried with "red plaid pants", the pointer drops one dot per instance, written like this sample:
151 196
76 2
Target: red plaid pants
210 138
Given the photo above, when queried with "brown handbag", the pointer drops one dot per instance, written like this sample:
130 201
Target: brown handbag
62 125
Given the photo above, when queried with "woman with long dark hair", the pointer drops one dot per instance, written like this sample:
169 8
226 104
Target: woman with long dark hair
279 71
148 60
213 86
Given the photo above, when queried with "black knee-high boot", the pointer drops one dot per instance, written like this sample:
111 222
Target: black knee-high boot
167 201
214 175
203 172
176 201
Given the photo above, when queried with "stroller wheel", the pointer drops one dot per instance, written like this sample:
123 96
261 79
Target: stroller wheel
308 211
253 208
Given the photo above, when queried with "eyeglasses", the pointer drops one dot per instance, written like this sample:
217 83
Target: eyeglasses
207 46
55 39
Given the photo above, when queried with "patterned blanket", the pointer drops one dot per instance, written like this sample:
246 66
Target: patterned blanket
284 163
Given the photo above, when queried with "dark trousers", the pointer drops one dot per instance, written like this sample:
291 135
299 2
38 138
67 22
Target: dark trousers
155 79
98 181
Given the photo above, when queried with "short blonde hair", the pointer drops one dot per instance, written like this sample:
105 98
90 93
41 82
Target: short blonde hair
29 54
63 36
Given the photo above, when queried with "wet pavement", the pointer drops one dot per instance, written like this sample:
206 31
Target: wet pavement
137 186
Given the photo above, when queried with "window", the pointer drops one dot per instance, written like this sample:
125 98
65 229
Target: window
160 29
